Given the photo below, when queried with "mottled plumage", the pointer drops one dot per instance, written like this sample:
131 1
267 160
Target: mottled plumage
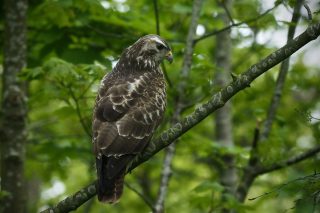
129 107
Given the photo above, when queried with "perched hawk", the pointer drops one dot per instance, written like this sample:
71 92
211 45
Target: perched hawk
129 107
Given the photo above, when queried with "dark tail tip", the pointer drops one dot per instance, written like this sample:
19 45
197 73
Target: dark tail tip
111 191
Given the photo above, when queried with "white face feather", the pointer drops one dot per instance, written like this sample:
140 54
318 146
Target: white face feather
151 44
156 39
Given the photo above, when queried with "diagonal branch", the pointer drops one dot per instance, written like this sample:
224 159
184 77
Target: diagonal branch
295 159
253 171
143 197
217 101
314 176
227 12
220 98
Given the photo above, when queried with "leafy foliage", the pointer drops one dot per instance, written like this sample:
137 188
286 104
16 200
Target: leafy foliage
73 43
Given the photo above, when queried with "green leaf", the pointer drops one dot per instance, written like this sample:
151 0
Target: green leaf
208 186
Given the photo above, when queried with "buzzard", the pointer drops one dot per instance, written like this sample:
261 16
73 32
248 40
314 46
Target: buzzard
129 107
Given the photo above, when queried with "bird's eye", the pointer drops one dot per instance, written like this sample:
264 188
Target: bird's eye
160 46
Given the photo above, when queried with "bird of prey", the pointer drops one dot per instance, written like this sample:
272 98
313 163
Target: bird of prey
129 107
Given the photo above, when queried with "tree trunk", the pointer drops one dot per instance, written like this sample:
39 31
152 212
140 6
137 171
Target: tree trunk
223 116
14 108
33 193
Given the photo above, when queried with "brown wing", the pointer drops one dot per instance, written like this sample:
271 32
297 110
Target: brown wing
127 112
125 117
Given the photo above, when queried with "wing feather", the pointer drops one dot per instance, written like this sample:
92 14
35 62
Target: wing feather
126 116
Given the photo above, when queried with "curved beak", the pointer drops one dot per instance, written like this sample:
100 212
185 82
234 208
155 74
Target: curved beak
169 57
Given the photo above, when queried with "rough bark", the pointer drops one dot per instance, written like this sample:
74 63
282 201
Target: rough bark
33 193
14 110
204 110
223 116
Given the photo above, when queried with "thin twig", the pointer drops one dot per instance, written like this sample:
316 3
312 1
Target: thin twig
187 57
308 11
215 32
294 160
87 89
226 9
157 20
81 119
108 34
306 115
284 185
144 181
144 198
156 14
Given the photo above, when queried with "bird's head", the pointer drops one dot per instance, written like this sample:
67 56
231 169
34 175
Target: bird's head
149 51
154 47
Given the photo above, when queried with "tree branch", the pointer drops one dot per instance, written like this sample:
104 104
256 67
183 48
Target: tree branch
81 119
216 101
187 58
156 15
165 178
248 174
294 160
143 197
308 11
308 178
186 67
215 32
282 75
157 20
252 171
220 98
74 201
226 9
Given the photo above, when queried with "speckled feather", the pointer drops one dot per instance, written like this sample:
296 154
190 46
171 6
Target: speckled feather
129 107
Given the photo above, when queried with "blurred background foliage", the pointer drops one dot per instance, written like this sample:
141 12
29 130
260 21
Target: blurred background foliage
73 43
